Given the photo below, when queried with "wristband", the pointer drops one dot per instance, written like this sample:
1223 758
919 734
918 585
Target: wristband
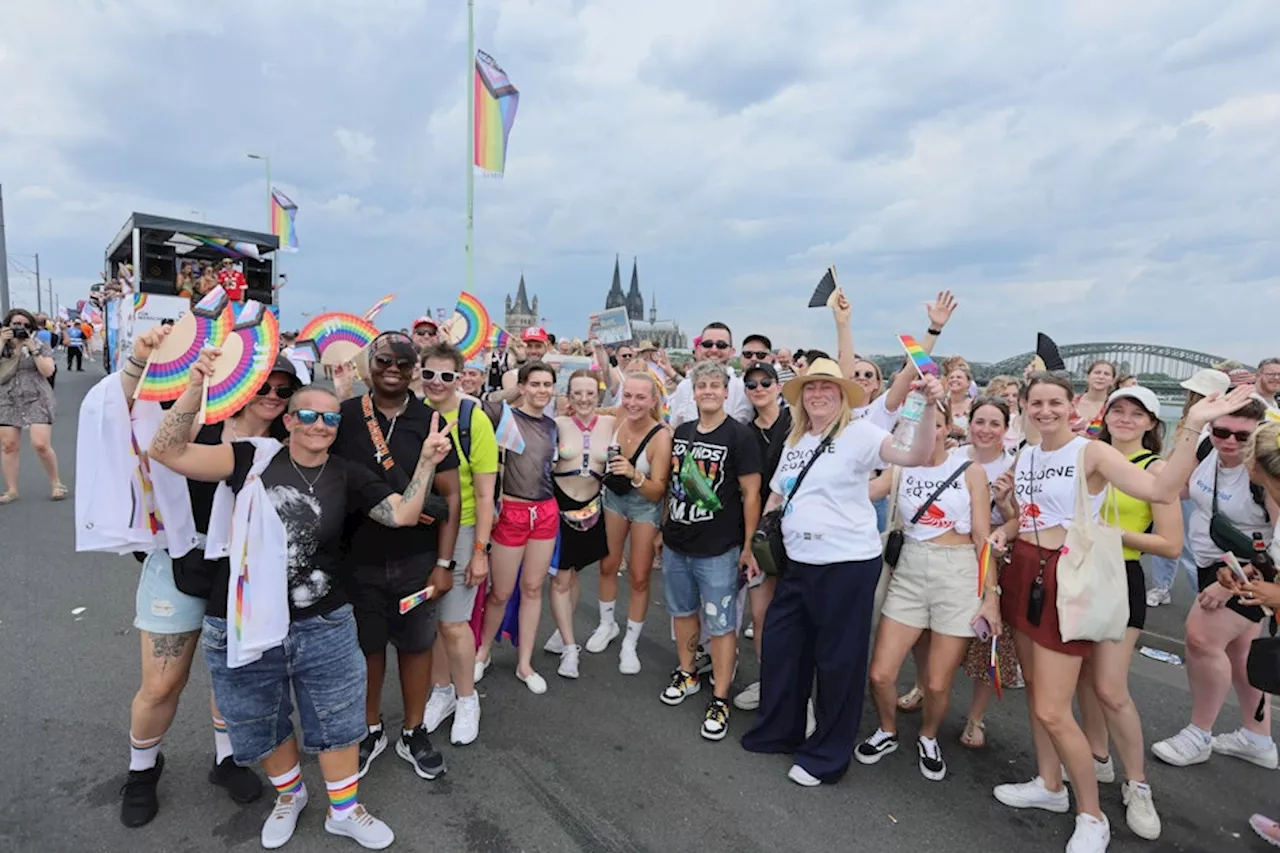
481 548
935 332
141 365
639 476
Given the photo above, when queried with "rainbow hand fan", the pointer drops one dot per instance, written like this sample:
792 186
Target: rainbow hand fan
338 337
469 328
168 368
247 357
925 365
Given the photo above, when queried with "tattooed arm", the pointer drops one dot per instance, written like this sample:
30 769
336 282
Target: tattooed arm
403 510
172 445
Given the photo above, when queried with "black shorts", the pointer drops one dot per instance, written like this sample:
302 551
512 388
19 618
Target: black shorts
375 596
1137 594
1209 575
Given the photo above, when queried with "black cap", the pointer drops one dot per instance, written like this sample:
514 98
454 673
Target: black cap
762 367
285 366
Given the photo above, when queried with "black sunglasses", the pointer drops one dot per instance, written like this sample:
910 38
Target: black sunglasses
864 374
307 417
715 344
446 376
758 355
1222 434
623 356
283 392
385 361
753 384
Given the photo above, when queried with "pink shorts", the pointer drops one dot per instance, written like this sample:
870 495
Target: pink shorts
520 521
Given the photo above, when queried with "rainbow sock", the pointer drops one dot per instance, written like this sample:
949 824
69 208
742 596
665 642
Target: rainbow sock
290 782
342 797
221 740
143 753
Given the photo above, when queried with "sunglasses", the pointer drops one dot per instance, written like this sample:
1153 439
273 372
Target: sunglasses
283 392
1222 434
753 384
446 376
626 356
386 361
758 355
864 374
715 345
424 331
307 417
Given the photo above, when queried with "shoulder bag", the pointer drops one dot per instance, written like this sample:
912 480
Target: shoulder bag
895 537
1093 586
767 545
619 484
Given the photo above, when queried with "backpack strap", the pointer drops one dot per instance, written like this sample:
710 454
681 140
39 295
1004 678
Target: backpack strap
465 410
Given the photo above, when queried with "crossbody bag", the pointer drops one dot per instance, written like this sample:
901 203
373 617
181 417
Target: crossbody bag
896 537
767 545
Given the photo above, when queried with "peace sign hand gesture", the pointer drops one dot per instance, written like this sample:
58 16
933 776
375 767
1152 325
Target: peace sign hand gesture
439 442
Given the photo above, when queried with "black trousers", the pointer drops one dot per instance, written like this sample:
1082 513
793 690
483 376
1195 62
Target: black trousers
819 621
77 355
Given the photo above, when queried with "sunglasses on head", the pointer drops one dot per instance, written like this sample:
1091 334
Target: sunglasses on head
307 417
715 344
446 376
758 355
385 361
1222 434
283 392
753 384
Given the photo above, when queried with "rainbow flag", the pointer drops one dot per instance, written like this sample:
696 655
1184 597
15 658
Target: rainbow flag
378 306
993 669
496 101
923 363
498 337
283 213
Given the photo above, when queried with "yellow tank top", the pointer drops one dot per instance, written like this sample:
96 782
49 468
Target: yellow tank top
1135 515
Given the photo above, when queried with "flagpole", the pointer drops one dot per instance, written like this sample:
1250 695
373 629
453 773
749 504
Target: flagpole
471 141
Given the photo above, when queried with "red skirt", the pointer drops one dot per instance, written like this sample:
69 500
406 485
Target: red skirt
1015 585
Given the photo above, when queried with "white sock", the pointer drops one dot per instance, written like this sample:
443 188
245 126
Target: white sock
1203 735
606 612
1260 741
633 634
445 691
143 753
930 745
221 740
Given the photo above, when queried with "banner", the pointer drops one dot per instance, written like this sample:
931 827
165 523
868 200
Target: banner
612 326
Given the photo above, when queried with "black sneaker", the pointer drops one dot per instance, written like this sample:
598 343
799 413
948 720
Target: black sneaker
932 767
370 748
876 747
242 784
416 749
139 803
715 723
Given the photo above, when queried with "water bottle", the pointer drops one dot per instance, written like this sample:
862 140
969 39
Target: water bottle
904 433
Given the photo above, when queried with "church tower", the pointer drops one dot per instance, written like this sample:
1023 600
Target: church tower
635 302
616 298
520 314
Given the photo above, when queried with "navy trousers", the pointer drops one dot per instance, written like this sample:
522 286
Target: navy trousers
819 621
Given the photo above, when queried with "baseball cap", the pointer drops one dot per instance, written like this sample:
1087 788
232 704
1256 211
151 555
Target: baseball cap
1208 381
1145 397
425 321
534 333
283 365
762 367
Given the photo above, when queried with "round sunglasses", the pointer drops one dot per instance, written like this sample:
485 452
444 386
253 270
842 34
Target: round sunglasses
758 355
308 417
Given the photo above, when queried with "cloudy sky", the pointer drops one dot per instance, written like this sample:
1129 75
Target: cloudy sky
1099 170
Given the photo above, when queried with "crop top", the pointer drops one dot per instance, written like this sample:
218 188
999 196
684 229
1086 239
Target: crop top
1044 484
951 511
642 460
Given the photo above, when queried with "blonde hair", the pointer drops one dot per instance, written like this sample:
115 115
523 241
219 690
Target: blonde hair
1263 453
998 384
641 372
956 363
801 424
1193 397
575 347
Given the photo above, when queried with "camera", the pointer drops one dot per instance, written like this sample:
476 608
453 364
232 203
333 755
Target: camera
20 333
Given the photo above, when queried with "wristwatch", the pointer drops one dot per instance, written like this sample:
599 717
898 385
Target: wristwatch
996 589
444 564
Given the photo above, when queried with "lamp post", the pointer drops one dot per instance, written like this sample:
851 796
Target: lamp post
275 257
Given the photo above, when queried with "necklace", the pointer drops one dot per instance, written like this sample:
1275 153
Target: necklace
310 484
392 430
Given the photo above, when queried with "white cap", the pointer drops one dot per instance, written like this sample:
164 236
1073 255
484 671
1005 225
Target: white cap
1145 396
1208 381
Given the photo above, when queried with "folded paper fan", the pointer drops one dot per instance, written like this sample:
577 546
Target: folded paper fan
338 336
1047 351
469 328
247 357
168 368
826 290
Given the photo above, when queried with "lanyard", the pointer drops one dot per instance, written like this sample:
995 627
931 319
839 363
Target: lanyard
585 429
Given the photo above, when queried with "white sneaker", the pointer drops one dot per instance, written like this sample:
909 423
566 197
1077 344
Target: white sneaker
1238 744
555 644
1157 596
482 666
628 661
568 662
1141 810
1033 795
750 632
442 703
365 829
466 722
748 699
810 720
536 683
803 777
283 819
1091 835
602 637
1103 771
1183 749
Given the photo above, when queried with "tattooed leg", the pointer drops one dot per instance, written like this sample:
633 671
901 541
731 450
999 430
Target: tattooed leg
687 640
166 664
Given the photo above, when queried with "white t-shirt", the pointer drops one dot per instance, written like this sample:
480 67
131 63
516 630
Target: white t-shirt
1235 501
831 519
952 510
877 411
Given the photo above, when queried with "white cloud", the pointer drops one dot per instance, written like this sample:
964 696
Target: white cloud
1092 169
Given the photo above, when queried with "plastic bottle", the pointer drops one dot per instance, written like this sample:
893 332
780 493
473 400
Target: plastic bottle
904 433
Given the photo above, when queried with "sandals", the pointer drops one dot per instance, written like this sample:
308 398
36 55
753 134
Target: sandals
8 497
911 701
975 734
59 492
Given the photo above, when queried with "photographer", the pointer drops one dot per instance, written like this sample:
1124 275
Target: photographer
26 400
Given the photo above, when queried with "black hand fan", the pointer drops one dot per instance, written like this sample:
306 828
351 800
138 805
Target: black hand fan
1047 351
826 290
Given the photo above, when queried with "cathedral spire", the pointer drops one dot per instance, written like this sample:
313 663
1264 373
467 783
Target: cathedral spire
635 302
616 298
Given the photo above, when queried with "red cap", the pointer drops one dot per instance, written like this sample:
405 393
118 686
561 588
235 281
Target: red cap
425 321
534 333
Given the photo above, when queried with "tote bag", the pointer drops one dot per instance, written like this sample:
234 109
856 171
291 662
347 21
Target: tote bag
1093 587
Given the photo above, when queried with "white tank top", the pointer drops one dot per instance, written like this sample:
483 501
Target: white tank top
953 509
1235 501
1045 486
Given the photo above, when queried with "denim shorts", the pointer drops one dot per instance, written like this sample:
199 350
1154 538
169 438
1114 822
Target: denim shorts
160 608
633 507
322 663
709 584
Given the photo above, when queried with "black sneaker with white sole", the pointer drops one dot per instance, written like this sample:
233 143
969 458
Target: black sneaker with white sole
370 748
932 767
416 749
139 802
876 747
715 723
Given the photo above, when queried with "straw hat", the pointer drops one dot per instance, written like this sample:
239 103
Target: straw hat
823 370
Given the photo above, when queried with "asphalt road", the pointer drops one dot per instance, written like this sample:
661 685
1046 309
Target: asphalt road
594 765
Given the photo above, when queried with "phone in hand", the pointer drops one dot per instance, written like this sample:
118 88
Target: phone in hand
981 628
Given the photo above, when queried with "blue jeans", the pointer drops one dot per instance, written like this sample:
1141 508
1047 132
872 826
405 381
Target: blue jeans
1164 570
320 660
882 513
709 584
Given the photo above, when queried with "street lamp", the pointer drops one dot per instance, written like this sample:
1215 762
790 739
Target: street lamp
266 160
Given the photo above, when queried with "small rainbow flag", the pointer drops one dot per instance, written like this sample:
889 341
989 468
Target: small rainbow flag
1094 429
414 599
498 337
496 101
924 364
474 333
993 669
378 306
986 563
283 213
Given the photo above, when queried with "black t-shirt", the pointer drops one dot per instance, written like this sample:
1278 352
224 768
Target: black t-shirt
369 543
726 453
770 442
313 518
193 574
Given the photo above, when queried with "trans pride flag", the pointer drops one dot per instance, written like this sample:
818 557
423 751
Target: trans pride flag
496 101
